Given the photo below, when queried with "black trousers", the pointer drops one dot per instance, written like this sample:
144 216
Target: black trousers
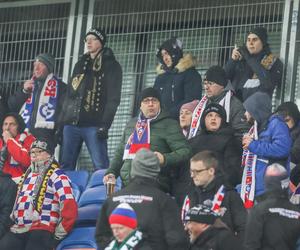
33 240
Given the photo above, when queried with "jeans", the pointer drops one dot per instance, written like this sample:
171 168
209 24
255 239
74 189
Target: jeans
73 136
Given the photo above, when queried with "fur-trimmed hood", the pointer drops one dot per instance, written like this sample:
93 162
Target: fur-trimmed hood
186 62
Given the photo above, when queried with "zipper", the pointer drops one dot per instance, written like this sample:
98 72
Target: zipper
173 98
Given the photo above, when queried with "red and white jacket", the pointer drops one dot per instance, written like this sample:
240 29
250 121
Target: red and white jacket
18 159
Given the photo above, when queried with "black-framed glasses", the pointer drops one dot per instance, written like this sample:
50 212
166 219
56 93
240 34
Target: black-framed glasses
35 152
197 171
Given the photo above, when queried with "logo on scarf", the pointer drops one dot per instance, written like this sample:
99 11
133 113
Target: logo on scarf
51 88
47 110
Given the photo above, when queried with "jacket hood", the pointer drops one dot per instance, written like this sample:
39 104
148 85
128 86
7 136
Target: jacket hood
186 62
259 106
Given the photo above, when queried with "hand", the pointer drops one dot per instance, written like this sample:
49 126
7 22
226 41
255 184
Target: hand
102 133
28 86
160 157
6 135
247 139
236 55
109 177
244 52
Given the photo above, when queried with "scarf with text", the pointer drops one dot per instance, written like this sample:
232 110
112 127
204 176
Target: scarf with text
128 244
46 104
198 111
249 165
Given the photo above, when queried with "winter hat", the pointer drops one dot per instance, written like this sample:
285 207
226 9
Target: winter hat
202 214
276 178
174 48
213 107
42 144
289 109
190 105
216 74
124 215
99 33
19 120
150 92
261 32
46 59
145 164
259 105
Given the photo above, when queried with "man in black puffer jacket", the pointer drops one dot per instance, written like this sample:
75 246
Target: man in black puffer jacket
210 189
8 191
157 213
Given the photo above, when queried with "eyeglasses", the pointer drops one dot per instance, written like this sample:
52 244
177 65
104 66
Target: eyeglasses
197 171
90 39
148 100
35 152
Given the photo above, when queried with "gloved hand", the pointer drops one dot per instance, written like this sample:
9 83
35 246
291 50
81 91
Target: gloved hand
244 52
102 133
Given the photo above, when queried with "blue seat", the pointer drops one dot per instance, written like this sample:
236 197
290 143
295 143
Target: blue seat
87 215
79 177
76 191
96 178
81 237
95 195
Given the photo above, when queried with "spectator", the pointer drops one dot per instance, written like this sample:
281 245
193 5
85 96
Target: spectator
123 224
8 190
39 100
14 146
45 209
291 115
215 85
185 116
210 189
158 132
274 222
207 231
253 67
92 100
157 214
216 135
178 80
267 142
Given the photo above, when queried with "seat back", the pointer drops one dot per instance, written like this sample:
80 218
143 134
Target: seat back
95 195
96 178
80 178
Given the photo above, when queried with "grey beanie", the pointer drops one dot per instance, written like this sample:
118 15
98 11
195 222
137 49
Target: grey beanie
145 164
46 59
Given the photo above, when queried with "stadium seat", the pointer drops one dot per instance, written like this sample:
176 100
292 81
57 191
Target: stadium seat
87 215
79 238
96 178
95 195
76 191
79 177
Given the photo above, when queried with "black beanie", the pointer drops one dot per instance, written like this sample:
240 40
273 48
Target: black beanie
41 143
289 109
174 47
217 75
19 120
213 107
201 214
149 92
99 33
261 32
46 59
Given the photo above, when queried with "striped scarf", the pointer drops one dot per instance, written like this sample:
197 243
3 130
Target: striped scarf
249 166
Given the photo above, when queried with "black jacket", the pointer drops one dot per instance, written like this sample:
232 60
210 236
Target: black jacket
216 239
8 191
94 93
295 152
157 215
273 224
179 85
16 101
235 214
227 148
240 71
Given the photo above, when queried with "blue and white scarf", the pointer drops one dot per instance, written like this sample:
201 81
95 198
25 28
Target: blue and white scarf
46 104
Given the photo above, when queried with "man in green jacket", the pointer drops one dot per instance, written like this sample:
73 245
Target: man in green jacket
155 130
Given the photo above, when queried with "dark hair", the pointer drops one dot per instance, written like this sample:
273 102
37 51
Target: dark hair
209 159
